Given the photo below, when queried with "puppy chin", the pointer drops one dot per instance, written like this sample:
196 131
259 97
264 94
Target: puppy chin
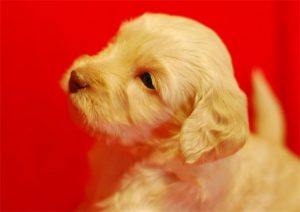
79 118
96 126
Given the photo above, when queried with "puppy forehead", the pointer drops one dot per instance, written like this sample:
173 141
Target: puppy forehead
169 26
163 35
149 38
145 32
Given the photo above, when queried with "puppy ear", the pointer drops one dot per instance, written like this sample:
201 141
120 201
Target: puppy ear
218 125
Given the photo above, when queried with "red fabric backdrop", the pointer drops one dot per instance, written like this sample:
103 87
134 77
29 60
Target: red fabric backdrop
43 154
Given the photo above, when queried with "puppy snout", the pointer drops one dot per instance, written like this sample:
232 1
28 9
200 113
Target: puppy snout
77 82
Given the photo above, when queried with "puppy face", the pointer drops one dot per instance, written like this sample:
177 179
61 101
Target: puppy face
163 74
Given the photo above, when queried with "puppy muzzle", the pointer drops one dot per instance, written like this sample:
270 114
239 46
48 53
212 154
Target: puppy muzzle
76 82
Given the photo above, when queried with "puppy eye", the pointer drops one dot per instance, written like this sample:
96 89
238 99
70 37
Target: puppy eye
147 80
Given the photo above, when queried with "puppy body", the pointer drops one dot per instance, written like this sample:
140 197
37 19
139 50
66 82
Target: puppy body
183 137
260 177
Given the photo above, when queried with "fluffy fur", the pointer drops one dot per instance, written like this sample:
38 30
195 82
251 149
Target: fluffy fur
177 138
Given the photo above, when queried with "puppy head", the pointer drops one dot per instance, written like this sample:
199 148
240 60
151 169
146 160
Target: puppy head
164 72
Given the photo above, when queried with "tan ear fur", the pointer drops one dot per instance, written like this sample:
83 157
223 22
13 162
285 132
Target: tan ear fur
218 125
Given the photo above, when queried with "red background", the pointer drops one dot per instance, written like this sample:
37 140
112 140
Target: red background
43 155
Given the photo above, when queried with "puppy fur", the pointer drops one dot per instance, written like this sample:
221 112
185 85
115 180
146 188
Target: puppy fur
186 142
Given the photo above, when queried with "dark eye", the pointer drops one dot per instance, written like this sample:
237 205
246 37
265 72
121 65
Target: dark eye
147 80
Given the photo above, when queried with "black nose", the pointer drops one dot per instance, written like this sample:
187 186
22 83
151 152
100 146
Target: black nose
76 82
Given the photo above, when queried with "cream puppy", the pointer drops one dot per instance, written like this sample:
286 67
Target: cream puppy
164 92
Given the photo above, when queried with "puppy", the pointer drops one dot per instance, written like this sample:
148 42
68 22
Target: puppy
163 98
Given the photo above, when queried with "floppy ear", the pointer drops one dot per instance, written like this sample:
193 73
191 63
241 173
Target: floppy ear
218 125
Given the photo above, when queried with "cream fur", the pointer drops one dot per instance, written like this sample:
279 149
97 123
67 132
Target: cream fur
181 134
